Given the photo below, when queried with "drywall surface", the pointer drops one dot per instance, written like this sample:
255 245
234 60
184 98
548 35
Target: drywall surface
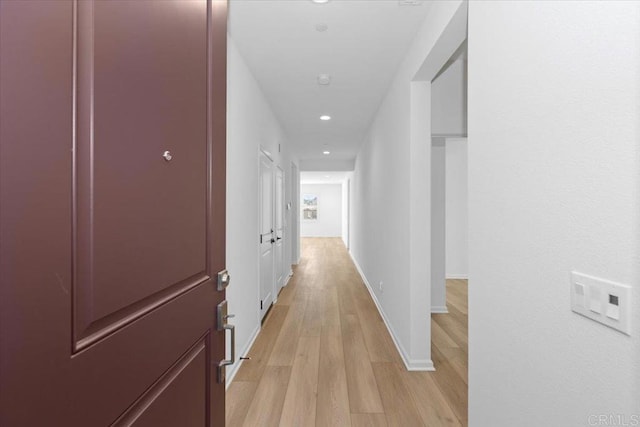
381 218
457 209
554 186
294 184
438 225
346 202
250 125
324 165
329 211
449 101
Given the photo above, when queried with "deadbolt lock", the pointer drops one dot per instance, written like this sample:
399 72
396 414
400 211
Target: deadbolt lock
223 279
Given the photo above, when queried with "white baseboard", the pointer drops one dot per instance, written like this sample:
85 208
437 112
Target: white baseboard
410 364
286 282
421 365
439 309
234 369
458 276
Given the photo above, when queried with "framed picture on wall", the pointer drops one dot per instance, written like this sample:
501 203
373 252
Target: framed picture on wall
310 207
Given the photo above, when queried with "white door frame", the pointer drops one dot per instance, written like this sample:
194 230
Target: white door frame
280 273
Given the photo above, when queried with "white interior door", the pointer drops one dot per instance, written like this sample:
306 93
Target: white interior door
295 214
348 224
279 229
267 235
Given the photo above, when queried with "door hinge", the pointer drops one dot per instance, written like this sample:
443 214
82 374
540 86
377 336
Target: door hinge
260 304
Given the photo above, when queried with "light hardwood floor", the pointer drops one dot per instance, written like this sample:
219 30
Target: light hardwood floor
325 358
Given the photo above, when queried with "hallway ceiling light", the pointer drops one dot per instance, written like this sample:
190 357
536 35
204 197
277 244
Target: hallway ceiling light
324 79
325 118
326 153
320 1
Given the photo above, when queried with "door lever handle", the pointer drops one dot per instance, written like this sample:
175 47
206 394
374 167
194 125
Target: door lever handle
222 325
222 366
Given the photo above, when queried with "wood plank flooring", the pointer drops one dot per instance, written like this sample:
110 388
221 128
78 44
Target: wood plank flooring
325 358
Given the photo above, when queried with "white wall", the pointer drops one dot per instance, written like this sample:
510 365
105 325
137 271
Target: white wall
438 225
346 202
250 124
384 240
329 222
457 209
294 184
554 185
325 165
449 101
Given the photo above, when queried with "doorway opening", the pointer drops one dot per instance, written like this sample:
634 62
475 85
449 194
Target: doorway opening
325 204
449 217
448 177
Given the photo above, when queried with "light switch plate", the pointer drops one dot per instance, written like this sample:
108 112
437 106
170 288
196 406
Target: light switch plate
602 300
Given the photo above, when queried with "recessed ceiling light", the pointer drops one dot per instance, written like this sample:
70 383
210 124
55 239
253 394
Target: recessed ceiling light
320 1
322 27
326 152
327 176
324 79
325 118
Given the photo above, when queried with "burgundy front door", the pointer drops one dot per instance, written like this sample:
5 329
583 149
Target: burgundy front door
112 201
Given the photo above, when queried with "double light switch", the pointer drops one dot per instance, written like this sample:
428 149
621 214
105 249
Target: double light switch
602 300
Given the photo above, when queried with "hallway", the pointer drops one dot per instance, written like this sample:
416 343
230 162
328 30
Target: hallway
324 356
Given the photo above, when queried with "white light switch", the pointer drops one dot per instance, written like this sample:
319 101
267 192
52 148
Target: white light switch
602 300
595 298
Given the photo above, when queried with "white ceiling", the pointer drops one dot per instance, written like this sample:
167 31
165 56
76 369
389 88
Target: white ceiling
332 177
361 49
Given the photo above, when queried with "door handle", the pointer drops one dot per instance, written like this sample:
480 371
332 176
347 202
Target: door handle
273 240
222 366
264 235
222 325
279 238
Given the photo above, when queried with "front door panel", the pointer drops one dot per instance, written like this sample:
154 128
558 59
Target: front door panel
178 398
141 218
112 190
